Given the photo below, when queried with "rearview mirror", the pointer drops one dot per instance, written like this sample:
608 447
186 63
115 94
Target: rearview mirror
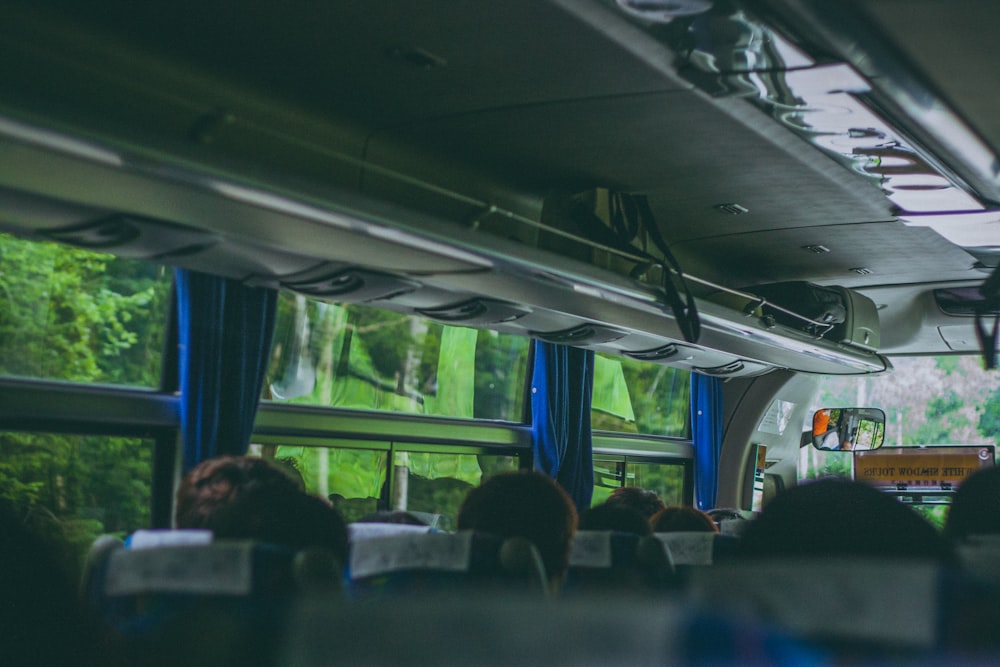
848 429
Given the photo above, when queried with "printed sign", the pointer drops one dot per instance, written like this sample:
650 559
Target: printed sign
921 468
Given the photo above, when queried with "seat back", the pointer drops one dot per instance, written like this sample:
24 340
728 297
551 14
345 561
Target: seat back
603 560
689 548
139 592
410 562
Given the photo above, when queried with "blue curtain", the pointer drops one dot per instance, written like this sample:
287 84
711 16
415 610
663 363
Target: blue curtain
224 332
562 384
706 431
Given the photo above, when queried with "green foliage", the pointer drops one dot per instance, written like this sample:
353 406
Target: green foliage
351 478
927 400
948 364
74 488
501 368
359 357
438 483
936 515
666 480
75 315
639 397
989 418
70 314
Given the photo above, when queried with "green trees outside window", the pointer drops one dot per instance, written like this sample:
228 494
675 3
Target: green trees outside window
72 489
640 397
69 314
355 356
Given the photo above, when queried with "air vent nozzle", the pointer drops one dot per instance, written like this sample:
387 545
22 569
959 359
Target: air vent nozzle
585 334
352 284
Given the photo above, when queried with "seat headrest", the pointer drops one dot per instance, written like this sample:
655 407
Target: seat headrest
689 548
410 551
151 539
591 548
364 531
221 568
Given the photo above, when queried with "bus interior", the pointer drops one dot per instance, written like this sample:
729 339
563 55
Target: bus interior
743 210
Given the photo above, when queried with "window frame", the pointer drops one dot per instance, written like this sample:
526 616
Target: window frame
102 410
309 426
630 448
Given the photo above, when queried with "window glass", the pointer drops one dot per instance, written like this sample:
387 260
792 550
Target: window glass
74 488
633 396
608 476
355 356
948 400
69 314
351 479
927 400
665 479
436 484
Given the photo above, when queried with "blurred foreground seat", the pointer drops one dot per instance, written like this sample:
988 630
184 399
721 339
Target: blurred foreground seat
226 597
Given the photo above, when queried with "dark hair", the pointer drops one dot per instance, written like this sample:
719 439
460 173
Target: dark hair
524 504
836 517
975 507
645 502
618 519
281 515
682 518
215 483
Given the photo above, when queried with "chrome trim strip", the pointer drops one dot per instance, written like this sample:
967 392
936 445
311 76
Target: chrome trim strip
45 405
307 421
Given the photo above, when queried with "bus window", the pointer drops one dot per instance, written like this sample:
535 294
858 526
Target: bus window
671 481
436 483
73 488
667 480
608 476
351 478
632 396
70 314
355 356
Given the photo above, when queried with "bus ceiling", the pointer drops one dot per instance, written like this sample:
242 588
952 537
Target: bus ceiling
630 177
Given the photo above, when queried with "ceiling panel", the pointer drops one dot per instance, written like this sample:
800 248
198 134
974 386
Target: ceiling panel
890 251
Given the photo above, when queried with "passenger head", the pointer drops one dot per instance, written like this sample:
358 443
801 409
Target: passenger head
975 508
835 517
647 503
618 519
682 519
282 515
528 505
213 484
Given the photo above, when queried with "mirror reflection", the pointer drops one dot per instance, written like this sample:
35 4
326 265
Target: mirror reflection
848 429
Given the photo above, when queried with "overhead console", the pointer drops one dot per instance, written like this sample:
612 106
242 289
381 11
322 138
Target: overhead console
480 280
